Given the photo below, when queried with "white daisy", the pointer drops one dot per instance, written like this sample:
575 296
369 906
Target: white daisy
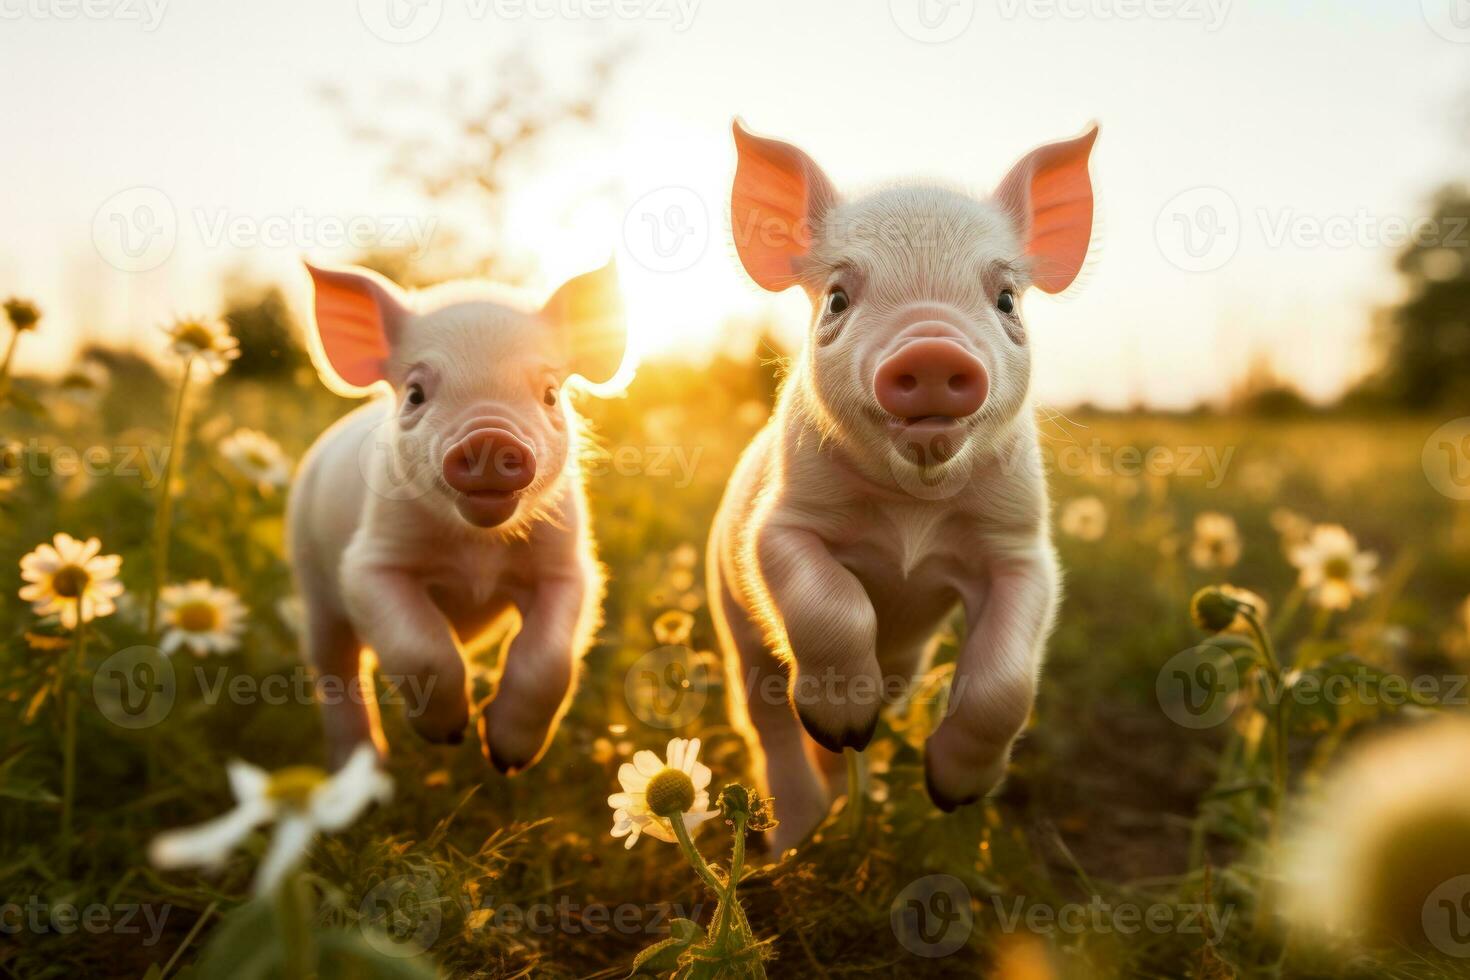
209 340
201 618
1333 570
1085 518
679 786
1216 541
300 800
70 578
258 458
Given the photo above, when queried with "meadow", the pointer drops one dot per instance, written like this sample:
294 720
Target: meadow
1133 836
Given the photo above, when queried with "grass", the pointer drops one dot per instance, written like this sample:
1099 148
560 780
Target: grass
1110 808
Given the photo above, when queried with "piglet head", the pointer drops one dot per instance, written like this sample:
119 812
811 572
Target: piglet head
917 355
481 425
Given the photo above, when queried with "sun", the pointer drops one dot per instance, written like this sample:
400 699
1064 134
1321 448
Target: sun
663 215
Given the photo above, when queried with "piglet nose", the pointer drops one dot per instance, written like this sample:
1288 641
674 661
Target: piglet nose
489 460
931 377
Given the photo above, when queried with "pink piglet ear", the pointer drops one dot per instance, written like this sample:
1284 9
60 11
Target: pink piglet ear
778 200
1049 195
588 309
359 317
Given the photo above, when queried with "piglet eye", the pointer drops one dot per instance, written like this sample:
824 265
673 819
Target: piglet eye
1006 301
416 394
549 397
836 301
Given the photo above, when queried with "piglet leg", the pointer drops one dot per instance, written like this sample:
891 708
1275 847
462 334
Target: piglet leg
994 683
831 633
415 648
540 669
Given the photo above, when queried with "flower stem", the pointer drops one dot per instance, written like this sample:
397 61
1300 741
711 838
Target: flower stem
298 955
855 793
166 503
1279 760
693 855
69 738
728 906
5 364
1267 900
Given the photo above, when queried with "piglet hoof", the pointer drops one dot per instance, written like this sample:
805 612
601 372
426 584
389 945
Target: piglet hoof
433 728
833 733
508 749
952 790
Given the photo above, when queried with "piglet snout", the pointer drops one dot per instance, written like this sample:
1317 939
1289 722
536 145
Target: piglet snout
489 466
931 377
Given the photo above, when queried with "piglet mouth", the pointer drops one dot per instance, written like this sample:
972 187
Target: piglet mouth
487 508
926 440
926 423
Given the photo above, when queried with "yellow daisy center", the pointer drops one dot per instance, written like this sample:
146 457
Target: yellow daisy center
670 792
195 335
1337 568
70 581
198 616
294 785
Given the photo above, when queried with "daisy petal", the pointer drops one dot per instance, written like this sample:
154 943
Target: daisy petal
288 845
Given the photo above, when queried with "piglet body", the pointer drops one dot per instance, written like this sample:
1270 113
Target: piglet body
899 476
451 502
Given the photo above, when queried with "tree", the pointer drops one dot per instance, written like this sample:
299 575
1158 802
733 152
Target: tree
1425 341
465 144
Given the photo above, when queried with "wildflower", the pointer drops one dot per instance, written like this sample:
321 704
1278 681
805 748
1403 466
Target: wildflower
655 791
209 340
1223 609
1216 541
300 800
1293 528
684 556
672 628
22 313
69 577
1333 570
258 458
1085 518
12 462
758 812
1389 830
200 618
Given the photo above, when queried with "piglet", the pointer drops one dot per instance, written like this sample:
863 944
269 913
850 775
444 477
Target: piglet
450 504
899 475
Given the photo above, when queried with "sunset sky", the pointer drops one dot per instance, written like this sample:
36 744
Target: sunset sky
1258 129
